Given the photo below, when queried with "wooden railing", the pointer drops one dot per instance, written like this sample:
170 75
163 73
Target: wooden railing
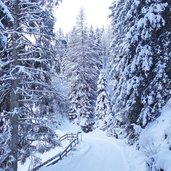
74 138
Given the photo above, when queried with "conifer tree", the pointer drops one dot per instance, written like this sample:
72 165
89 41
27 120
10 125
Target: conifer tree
6 20
26 82
140 58
82 68
103 107
61 46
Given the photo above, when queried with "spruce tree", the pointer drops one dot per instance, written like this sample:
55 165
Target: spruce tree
82 68
60 46
140 58
6 20
103 107
26 82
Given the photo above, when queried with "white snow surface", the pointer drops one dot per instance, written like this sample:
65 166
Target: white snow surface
96 152
155 140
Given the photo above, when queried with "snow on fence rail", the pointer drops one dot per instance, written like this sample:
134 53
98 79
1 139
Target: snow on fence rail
74 138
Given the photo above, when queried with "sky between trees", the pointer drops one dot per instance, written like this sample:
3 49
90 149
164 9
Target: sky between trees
97 12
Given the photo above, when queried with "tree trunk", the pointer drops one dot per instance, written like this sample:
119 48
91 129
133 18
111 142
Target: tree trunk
14 103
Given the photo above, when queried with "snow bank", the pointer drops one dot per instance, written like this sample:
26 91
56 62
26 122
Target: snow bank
66 127
164 160
135 158
154 144
155 140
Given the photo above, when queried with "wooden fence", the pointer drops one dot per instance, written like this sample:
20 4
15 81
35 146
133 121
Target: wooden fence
74 140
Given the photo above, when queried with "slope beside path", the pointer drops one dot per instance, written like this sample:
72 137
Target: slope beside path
96 152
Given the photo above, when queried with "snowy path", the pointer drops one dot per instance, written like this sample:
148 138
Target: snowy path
96 152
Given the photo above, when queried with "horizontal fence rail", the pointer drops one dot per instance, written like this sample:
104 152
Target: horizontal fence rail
74 140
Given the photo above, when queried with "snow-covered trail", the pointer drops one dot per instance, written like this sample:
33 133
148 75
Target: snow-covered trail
96 152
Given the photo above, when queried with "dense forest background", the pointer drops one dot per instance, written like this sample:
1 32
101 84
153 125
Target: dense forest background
117 78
